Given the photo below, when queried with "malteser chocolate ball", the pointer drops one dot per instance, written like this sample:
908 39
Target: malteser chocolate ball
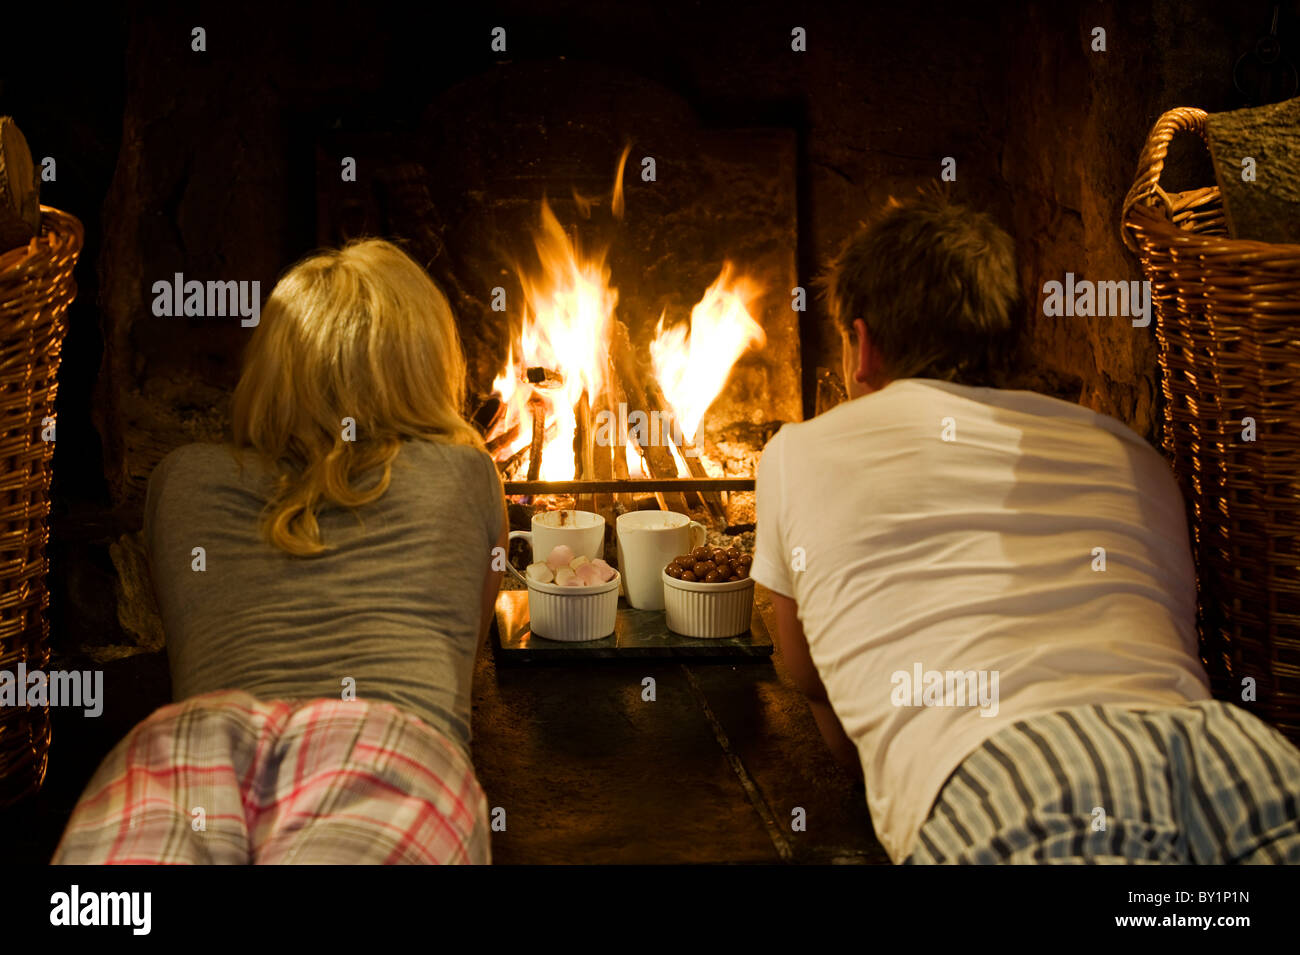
732 553
687 575
742 571
704 567
745 559
724 569
674 571
700 553
712 577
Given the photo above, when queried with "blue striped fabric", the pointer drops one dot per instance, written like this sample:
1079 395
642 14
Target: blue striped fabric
1205 783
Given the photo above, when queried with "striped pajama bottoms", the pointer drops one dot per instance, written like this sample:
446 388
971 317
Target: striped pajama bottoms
1205 783
228 778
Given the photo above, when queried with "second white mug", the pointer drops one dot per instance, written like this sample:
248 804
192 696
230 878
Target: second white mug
647 543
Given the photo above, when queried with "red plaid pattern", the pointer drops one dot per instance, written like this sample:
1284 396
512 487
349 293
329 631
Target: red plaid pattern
319 782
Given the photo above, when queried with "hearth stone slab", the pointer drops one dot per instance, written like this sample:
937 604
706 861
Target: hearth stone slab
638 634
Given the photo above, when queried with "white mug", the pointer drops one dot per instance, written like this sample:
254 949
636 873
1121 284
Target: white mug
583 531
647 543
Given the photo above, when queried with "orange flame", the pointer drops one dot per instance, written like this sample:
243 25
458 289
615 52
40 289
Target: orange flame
616 204
692 365
569 308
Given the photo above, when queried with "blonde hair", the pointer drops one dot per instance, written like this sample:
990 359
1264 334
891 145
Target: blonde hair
360 332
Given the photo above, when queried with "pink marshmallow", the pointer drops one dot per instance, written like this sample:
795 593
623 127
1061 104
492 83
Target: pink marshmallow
561 556
606 572
588 575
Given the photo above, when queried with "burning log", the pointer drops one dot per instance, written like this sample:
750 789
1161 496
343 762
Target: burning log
508 466
489 414
615 395
602 469
712 500
537 408
544 377
505 439
583 463
659 460
512 463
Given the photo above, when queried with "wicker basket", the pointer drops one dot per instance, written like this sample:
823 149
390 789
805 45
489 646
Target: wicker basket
36 288
1228 329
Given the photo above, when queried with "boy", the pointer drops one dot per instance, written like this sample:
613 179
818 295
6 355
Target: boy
988 595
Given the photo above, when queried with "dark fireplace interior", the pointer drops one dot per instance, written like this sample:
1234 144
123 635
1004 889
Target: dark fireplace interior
714 197
227 165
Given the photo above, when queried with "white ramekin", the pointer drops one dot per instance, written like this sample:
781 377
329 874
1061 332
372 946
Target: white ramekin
708 611
573 614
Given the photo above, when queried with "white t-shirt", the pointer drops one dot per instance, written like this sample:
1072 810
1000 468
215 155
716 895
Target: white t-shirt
937 527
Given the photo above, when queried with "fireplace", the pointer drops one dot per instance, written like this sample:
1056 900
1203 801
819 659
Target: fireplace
768 165
624 279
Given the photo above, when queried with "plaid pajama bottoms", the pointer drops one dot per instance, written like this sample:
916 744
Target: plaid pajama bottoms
1205 783
323 781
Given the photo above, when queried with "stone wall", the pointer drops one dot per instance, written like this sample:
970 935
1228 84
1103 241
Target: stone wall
1076 123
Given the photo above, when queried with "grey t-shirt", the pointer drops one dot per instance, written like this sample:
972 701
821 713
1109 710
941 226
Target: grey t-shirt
395 606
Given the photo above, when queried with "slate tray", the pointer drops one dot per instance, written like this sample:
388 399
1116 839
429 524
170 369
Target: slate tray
638 634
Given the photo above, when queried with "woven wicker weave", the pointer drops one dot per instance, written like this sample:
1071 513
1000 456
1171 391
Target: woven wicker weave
1228 329
36 288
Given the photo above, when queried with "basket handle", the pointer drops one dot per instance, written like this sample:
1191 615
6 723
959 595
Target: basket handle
1152 162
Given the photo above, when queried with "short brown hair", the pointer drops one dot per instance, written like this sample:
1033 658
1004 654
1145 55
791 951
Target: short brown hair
936 284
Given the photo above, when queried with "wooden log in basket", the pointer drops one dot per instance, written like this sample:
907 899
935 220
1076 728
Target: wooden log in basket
20 200
1262 143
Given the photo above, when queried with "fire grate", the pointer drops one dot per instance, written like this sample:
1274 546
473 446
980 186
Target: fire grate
629 486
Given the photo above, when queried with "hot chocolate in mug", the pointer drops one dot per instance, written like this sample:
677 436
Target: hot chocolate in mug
647 543
582 531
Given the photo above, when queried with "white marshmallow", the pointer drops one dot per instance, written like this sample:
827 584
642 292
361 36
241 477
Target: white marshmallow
560 556
540 572
565 577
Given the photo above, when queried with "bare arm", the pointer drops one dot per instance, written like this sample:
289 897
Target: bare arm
794 653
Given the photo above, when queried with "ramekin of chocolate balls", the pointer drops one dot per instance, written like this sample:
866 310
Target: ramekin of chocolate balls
708 593
710 566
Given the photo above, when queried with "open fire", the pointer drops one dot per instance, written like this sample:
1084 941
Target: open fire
580 400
